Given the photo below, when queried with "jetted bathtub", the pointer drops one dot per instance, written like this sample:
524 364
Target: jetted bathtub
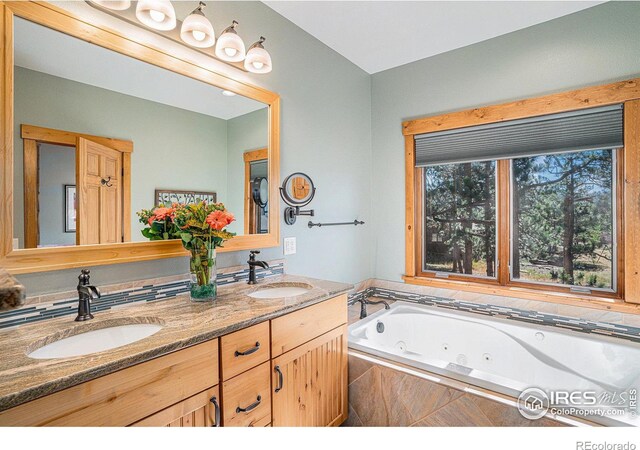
501 355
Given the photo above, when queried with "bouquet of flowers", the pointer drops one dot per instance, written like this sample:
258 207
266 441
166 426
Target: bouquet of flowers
201 228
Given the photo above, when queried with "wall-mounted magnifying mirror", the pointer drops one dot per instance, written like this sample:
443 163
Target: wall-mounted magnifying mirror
261 191
297 191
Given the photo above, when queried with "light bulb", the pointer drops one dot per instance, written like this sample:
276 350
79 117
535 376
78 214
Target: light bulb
199 35
230 46
258 59
157 16
196 29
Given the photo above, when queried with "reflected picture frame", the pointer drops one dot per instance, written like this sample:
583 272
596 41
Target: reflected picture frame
70 208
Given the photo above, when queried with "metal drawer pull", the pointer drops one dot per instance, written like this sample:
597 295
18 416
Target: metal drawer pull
251 407
216 408
280 379
248 352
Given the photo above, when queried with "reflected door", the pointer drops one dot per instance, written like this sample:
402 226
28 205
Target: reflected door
99 188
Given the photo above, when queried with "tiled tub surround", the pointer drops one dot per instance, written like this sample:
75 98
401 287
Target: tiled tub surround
387 393
390 395
184 322
502 356
114 296
584 320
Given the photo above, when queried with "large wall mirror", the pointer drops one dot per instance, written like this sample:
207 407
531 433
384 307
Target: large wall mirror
99 133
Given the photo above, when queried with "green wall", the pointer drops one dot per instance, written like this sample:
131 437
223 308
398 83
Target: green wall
594 46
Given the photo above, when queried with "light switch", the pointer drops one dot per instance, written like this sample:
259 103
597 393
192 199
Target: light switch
289 246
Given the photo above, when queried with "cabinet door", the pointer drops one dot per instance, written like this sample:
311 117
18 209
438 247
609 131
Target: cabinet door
310 382
201 410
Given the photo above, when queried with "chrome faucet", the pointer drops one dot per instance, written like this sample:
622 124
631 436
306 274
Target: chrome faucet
252 266
364 302
86 293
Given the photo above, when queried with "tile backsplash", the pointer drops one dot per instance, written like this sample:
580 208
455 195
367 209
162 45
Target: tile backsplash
583 320
66 303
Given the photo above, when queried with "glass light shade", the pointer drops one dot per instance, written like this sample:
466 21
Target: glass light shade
116 5
230 47
197 31
258 60
156 14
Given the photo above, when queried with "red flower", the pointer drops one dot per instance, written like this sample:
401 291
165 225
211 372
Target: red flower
219 219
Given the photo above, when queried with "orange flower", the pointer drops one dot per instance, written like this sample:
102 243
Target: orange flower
163 213
219 219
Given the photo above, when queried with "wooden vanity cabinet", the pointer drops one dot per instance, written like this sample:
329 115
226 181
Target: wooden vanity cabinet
309 376
290 371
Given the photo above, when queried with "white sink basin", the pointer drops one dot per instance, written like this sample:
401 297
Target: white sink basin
95 341
279 291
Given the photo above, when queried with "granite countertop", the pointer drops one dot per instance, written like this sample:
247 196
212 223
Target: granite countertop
184 322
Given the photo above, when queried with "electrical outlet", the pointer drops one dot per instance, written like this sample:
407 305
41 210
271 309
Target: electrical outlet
289 246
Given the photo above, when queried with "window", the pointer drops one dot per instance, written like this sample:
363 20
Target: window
460 218
532 203
563 219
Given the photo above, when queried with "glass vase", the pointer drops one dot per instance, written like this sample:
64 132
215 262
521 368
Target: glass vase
203 286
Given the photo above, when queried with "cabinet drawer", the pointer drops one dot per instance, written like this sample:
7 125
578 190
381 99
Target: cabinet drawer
244 349
251 391
196 411
296 328
127 396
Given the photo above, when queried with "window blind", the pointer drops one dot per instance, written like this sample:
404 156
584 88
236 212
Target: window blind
587 129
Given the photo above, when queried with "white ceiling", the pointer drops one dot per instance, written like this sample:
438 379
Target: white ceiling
379 35
44 50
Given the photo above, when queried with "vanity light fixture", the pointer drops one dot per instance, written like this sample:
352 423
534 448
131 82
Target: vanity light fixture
197 30
230 46
116 5
258 59
228 93
156 14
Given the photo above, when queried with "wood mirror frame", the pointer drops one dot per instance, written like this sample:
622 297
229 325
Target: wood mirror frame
57 258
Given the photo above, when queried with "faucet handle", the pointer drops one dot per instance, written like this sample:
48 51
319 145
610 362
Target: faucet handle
252 254
95 290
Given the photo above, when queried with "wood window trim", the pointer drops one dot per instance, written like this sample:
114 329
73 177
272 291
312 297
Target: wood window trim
182 62
249 209
32 136
627 297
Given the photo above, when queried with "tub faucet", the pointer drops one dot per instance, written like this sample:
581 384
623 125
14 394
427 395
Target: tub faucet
86 293
364 302
252 266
